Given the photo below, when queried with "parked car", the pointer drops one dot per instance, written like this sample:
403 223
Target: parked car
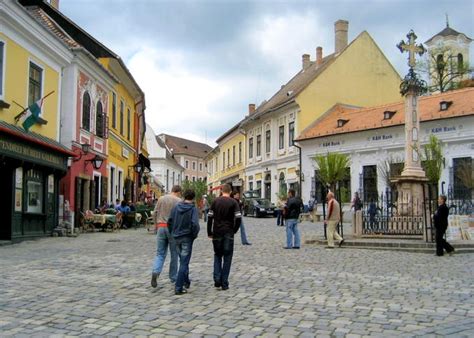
256 206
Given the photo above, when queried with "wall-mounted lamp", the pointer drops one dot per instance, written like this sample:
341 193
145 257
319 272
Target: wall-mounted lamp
96 162
85 150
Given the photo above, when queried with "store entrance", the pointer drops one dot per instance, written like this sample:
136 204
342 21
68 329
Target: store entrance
6 204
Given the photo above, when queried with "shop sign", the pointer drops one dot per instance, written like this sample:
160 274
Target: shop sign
381 137
330 144
442 129
18 189
237 183
26 152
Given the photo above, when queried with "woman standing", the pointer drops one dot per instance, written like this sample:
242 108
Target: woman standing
441 224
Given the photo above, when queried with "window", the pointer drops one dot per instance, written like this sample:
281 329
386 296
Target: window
223 161
173 178
228 157
114 110
267 141
251 147
259 188
440 62
200 166
128 123
187 164
121 117
460 61
167 179
35 83
2 48
463 174
240 152
99 120
187 178
291 133
194 178
86 111
194 165
250 186
34 193
281 137
217 165
233 155
259 145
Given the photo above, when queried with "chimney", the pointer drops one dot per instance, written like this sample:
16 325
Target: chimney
340 28
54 4
319 55
251 108
306 61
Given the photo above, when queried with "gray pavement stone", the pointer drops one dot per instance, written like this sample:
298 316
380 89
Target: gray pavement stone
102 288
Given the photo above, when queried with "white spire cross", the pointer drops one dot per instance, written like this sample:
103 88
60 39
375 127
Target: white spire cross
412 48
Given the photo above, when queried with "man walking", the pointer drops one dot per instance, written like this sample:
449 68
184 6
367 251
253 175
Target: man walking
163 238
441 224
243 234
183 225
333 218
294 206
223 222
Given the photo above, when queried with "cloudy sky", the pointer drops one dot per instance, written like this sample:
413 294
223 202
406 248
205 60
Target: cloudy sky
201 62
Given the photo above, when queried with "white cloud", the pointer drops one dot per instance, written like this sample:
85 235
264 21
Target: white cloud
178 101
283 39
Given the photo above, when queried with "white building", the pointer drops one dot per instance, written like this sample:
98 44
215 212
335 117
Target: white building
375 136
164 167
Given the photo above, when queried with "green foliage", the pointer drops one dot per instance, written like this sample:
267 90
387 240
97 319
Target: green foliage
199 187
332 168
345 195
433 159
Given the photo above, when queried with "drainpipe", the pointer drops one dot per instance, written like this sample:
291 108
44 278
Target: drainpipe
301 169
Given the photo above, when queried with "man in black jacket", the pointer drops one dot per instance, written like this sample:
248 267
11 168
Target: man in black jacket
441 224
223 222
294 206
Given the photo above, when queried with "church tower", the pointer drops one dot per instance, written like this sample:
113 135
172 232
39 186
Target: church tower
450 48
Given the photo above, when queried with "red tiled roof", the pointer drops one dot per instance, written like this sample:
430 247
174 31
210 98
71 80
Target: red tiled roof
187 147
359 119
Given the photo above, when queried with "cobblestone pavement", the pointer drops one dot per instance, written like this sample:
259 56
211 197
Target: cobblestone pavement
98 284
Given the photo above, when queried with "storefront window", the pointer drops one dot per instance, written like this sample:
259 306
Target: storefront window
34 192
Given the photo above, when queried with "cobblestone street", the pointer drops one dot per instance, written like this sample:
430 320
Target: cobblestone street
99 284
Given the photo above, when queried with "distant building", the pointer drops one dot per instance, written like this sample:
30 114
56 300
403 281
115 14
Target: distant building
189 154
165 169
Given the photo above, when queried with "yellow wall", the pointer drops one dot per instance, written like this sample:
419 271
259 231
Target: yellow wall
213 180
360 76
17 61
238 167
116 157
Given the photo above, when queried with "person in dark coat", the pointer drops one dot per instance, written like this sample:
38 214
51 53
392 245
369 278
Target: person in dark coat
441 224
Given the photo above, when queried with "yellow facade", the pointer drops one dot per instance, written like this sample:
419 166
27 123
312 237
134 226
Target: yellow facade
213 175
232 168
361 75
16 82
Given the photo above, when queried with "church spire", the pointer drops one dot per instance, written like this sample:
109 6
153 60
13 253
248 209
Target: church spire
447 21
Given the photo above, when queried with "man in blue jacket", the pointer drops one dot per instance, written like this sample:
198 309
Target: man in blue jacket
183 225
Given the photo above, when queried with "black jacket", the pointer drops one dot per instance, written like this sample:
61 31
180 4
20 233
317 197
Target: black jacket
294 206
224 217
441 217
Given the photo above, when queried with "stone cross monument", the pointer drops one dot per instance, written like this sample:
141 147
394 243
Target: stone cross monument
411 183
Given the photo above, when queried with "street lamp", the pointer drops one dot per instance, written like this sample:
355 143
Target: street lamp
96 162
85 147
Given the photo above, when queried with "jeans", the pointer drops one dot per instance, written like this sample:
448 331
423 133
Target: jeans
292 231
164 240
279 217
243 234
184 247
205 214
223 252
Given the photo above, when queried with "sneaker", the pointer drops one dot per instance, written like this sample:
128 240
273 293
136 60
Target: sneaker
340 243
187 285
247 243
154 277
180 292
451 252
225 288
329 247
217 284
296 247
286 247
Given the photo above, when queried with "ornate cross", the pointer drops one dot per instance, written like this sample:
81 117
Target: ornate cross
412 48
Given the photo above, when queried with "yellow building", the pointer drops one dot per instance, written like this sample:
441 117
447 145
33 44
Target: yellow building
126 133
356 74
33 159
213 172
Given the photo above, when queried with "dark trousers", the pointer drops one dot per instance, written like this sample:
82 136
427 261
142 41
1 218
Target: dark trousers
280 220
223 252
184 246
441 243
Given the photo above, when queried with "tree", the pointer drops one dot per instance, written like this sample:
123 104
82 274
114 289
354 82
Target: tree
199 187
332 168
433 161
444 69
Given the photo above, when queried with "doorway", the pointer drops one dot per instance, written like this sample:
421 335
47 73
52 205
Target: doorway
268 186
6 204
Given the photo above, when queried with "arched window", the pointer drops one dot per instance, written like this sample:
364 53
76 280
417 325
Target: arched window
282 184
460 60
440 62
86 111
99 120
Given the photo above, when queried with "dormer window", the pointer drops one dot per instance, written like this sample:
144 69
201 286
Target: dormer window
341 123
388 114
444 105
